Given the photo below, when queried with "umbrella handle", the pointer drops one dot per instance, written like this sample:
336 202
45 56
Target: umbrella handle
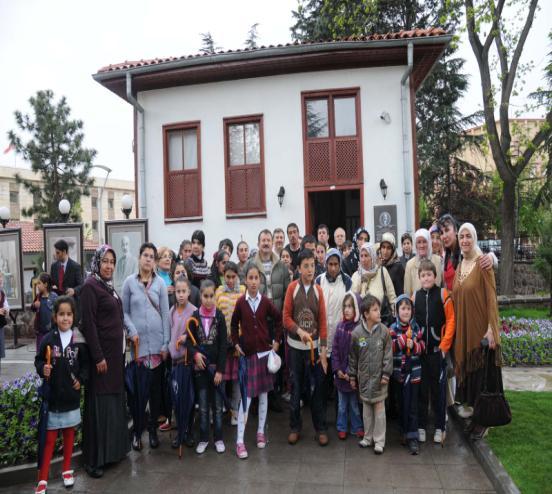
311 344
136 347
48 356
194 342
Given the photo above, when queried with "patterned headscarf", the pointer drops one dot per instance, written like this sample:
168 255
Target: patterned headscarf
356 251
95 266
369 248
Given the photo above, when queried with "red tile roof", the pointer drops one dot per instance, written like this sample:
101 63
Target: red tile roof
414 33
33 240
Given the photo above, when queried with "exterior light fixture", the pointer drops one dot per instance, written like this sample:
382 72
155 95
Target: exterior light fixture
64 207
281 194
126 203
383 188
4 216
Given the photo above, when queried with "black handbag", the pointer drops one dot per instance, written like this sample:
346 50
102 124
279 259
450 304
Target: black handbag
491 409
386 313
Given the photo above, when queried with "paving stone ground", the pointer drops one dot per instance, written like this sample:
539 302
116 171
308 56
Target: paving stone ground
341 467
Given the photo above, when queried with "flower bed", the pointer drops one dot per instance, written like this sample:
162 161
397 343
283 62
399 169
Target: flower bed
19 411
526 341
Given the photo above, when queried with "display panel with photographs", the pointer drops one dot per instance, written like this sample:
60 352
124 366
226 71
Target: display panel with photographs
11 267
71 233
126 237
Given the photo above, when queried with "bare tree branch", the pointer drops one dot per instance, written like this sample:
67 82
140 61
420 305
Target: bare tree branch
540 137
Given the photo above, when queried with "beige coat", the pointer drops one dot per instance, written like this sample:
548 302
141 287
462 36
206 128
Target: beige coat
411 278
374 286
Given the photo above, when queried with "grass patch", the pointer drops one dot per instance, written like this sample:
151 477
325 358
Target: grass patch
524 446
525 312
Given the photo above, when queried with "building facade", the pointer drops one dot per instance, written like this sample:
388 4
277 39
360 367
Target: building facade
331 125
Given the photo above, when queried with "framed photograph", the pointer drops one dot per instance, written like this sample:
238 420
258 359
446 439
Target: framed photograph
385 220
11 267
71 233
126 237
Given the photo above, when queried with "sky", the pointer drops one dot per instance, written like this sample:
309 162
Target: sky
59 44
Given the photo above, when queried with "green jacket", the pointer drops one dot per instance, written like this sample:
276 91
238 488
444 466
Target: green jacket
371 361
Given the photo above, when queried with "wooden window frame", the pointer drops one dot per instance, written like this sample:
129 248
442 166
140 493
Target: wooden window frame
244 119
196 124
330 95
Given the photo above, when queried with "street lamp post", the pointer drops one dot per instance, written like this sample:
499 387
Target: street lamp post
64 207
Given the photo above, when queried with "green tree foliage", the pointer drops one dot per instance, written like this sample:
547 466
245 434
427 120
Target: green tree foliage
439 121
252 37
208 45
53 144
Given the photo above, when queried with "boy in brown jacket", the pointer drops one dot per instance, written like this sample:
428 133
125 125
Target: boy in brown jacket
305 323
370 367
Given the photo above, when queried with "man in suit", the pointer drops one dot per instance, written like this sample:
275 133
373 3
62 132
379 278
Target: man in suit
66 274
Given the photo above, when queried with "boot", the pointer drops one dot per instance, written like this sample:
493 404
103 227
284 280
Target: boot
153 439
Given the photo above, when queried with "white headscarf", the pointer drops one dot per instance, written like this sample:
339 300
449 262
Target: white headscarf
369 248
471 229
424 233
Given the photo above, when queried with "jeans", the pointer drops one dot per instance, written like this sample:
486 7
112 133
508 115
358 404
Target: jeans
430 386
300 368
348 409
208 399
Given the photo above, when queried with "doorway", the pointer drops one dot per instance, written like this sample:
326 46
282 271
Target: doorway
335 208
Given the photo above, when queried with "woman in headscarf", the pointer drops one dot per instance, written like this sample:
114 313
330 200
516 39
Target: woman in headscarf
389 258
105 430
422 240
368 277
350 263
476 315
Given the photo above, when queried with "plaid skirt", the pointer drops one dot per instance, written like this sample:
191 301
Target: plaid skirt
231 370
259 380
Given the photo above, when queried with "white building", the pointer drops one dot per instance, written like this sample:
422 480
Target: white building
217 136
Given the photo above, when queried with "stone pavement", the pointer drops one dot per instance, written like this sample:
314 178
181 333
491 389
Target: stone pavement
18 361
341 467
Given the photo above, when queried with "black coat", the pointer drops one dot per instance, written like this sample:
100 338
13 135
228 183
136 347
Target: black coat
66 366
213 346
396 272
72 277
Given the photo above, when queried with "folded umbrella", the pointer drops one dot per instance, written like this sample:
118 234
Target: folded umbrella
138 383
441 413
183 398
44 393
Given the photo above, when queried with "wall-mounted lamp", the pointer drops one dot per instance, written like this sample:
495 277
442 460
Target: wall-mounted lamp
64 207
383 188
385 117
4 216
126 203
281 194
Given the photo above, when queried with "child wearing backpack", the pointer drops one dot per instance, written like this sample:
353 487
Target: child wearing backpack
408 345
434 313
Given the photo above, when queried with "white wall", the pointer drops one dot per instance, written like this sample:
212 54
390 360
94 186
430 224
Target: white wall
278 98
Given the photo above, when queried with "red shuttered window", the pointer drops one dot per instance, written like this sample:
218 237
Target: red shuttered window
244 166
182 165
332 140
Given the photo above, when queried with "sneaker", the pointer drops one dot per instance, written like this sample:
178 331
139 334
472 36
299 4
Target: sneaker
464 411
219 446
68 479
261 440
365 443
41 487
234 418
201 447
378 449
413 446
286 397
165 426
438 436
421 435
343 435
241 452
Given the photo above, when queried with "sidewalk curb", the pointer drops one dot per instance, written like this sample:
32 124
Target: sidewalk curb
490 463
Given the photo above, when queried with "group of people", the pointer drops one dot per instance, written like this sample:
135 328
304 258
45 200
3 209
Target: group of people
299 322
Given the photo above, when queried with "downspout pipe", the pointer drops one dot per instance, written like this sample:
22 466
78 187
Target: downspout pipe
407 161
141 147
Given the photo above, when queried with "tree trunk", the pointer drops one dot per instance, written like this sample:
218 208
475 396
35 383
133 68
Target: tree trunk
506 265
